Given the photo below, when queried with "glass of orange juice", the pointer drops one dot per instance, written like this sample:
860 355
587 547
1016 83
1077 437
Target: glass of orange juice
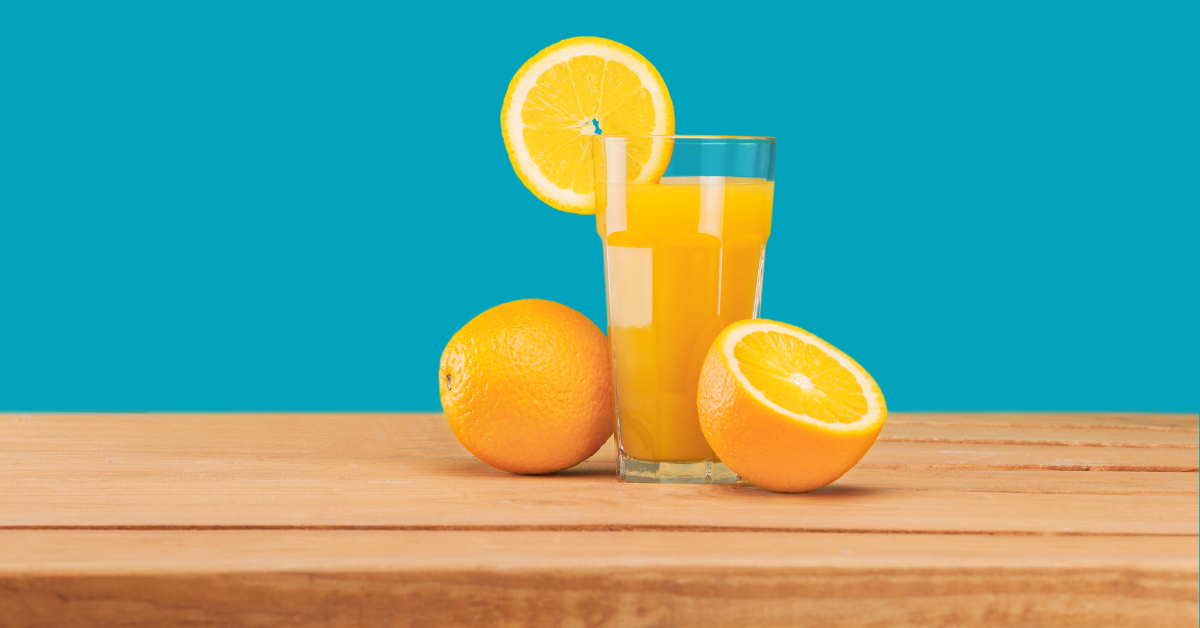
683 258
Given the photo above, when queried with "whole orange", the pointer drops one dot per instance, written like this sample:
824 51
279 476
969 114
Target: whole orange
527 387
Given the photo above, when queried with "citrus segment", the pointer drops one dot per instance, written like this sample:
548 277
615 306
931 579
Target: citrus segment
785 409
555 103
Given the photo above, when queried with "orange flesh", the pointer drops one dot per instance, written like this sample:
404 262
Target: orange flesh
559 110
800 377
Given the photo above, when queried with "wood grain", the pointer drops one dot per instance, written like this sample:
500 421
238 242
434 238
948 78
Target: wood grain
464 494
407 472
384 519
211 578
1085 420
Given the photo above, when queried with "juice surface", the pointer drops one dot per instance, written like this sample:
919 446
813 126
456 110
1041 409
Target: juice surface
682 262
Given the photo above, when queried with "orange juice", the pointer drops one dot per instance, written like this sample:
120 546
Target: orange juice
683 260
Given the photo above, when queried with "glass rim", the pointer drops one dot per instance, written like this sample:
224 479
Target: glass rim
727 139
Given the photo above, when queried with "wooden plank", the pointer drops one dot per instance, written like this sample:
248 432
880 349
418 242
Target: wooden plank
1044 482
1059 435
272 435
884 455
92 470
310 578
406 471
1137 421
1007 457
426 436
468 494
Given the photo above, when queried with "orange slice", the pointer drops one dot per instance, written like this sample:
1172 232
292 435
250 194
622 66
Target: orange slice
553 107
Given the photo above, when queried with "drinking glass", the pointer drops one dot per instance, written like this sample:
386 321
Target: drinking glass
683 258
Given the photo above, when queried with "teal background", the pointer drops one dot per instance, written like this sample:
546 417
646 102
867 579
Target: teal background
292 206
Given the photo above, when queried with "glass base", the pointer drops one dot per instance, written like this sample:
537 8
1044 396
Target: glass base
702 472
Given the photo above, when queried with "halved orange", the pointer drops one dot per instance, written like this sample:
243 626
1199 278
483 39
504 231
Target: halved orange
783 408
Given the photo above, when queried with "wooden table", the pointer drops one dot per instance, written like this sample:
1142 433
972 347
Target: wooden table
383 519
